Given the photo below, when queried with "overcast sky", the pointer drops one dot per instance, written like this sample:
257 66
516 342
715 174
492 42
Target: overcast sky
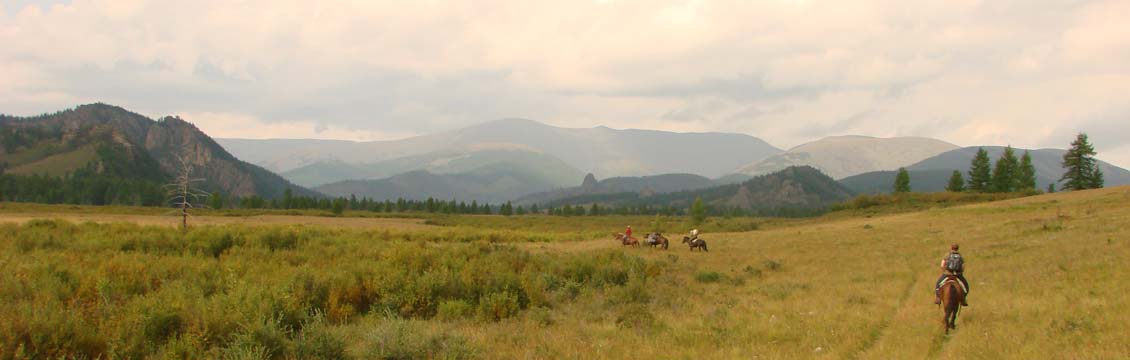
1026 73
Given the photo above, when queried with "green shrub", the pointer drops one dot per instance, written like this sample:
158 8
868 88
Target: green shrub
405 339
498 306
773 265
708 276
636 316
452 310
317 341
278 239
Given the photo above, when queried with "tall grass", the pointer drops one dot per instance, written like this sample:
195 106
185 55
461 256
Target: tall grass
120 290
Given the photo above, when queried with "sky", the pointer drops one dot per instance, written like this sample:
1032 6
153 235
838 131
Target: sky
1027 73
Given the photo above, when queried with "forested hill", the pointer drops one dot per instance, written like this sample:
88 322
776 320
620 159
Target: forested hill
796 190
103 154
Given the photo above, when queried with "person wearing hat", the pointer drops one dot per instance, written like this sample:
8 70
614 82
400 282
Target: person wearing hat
952 264
628 233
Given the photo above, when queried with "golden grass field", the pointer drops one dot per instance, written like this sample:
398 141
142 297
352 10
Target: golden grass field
1047 275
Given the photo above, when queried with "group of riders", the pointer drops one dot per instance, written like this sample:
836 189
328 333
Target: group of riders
655 238
953 264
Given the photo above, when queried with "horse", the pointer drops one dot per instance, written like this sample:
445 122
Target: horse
696 243
660 241
952 294
624 240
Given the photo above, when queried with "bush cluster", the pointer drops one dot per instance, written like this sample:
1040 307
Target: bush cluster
122 290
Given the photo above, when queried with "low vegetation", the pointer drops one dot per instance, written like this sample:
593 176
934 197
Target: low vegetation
1046 274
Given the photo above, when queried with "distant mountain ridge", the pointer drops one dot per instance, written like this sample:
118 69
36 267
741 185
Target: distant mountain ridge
495 183
555 172
796 190
655 184
144 140
843 156
600 150
932 174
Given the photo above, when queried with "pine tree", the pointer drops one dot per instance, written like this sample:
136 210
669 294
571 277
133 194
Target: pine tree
957 183
1081 166
216 201
506 209
595 210
1097 178
1051 188
698 211
338 206
1004 174
1026 174
902 181
979 172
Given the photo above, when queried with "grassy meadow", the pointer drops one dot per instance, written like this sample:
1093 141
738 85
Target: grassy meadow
1046 275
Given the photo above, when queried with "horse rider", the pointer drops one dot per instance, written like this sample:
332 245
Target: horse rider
952 264
628 233
694 234
652 238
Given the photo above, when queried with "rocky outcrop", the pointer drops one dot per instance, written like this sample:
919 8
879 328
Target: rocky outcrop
164 141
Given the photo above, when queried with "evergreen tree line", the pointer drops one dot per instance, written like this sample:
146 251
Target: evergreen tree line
340 204
1010 174
81 188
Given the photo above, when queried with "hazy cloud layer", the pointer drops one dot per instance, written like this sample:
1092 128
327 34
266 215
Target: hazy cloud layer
1027 73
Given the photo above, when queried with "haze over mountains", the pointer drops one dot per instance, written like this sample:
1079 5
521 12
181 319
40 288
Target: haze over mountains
602 151
520 160
843 156
486 161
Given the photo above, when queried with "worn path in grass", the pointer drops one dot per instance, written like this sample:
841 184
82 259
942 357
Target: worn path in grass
861 287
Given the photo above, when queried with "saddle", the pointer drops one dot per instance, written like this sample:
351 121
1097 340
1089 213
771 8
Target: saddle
953 279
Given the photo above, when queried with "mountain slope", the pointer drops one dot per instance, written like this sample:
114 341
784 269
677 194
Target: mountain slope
932 174
493 183
794 190
555 172
843 156
600 150
665 183
128 145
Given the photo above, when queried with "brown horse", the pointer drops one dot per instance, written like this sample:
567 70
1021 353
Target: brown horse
660 241
696 243
624 240
952 294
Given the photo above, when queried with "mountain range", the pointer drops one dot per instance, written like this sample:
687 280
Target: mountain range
497 161
603 151
843 156
932 174
796 190
655 184
109 140
492 176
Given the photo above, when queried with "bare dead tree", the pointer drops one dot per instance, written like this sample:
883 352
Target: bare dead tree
182 192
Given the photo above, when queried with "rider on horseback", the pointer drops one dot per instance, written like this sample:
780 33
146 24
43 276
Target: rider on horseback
952 264
628 233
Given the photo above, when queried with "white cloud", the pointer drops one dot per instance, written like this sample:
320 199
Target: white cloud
970 72
223 125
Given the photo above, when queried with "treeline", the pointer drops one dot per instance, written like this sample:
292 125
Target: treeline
1012 175
81 188
340 204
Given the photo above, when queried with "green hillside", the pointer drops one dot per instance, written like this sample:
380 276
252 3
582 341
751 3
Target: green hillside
801 190
102 154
